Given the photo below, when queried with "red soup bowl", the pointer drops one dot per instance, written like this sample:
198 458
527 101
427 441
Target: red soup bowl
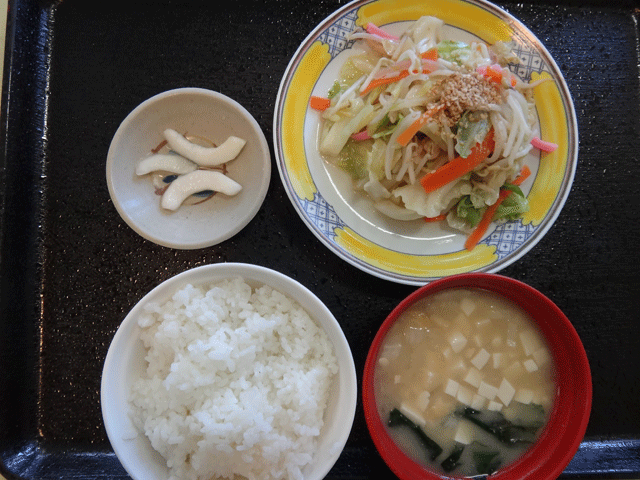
567 420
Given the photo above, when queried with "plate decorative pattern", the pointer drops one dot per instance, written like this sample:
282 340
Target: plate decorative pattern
426 253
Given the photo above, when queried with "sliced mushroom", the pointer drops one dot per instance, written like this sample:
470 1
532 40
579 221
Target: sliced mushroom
166 162
194 182
204 156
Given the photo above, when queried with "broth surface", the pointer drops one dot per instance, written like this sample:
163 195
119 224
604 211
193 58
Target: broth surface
464 381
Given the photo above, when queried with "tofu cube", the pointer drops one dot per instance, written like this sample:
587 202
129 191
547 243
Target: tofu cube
423 400
523 395
464 395
498 359
541 356
482 323
440 405
530 342
464 433
478 402
431 380
514 371
457 341
467 306
457 367
530 365
441 322
412 414
451 388
481 358
494 406
537 397
512 335
506 391
473 377
487 391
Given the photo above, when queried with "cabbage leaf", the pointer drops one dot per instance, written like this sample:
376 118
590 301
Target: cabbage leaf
435 203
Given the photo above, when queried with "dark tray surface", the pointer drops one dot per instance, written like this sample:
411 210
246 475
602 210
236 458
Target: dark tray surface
70 268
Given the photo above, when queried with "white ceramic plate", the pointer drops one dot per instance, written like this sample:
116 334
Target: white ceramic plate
346 222
125 362
200 113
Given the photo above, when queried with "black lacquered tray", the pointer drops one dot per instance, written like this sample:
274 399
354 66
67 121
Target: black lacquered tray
70 268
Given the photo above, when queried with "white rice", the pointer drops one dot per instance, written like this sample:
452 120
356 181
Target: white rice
237 382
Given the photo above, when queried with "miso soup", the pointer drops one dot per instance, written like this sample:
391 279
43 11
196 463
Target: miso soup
464 381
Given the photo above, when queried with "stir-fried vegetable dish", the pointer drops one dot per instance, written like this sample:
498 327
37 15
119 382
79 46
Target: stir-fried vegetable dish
431 128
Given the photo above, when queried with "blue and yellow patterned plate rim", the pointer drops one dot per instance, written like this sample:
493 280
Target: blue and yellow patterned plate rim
419 253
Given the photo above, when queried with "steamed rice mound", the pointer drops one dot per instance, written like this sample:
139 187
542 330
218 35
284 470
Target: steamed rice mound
237 382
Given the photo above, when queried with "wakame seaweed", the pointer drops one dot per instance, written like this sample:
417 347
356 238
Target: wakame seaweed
397 418
452 461
486 462
497 425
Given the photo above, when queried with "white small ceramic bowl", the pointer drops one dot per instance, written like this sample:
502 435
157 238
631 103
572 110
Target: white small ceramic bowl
201 113
125 362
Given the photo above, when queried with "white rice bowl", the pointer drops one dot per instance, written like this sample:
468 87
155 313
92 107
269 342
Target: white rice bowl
236 380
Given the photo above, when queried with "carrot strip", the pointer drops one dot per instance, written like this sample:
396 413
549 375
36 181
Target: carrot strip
524 174
491 72
487 218
494 73
431 54
376 82
436 219
483 225
319 103
459 166
412 129
428 66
